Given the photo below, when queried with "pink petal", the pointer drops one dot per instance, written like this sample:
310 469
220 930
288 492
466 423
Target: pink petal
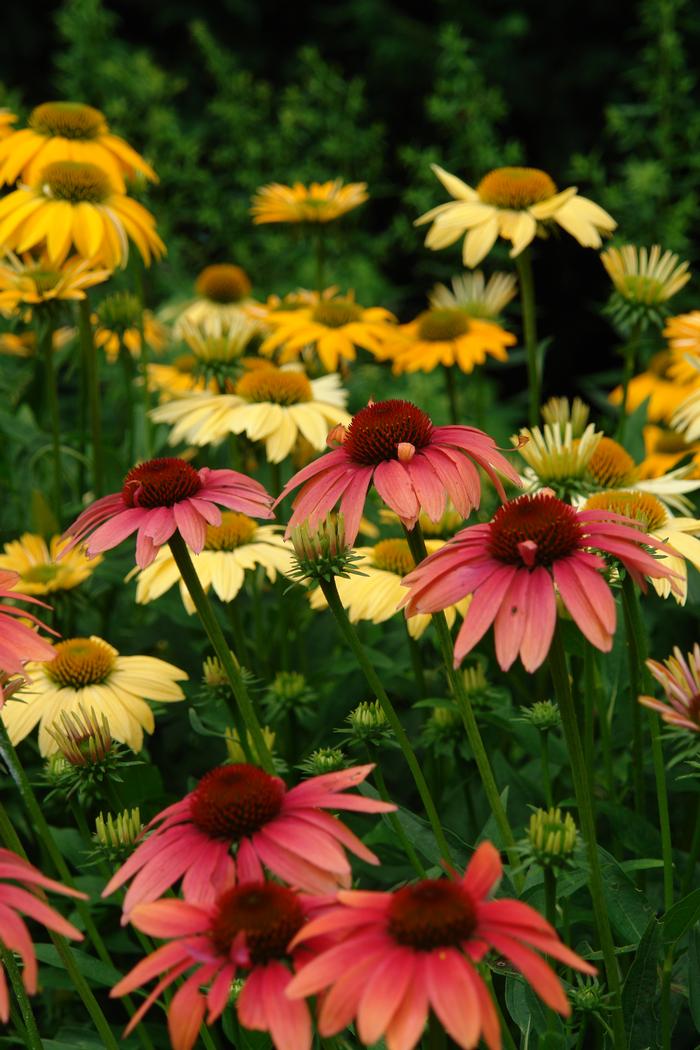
393 483
288 1020
509 625
540 620
115 530
340 1004
170 918
383 994
408 1022
484 871
186 1013
452 995
535 971
427 485
352 503
192 527
589 600
482 611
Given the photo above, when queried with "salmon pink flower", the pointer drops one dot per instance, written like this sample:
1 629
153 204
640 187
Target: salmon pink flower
413 465
163 496
241 805
18 882
680 679
245 930
404 953
513 566
18 642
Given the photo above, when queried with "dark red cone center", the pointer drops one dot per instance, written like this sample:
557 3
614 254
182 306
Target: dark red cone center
231 802
160 483
376 431
267 914
432 914
534 530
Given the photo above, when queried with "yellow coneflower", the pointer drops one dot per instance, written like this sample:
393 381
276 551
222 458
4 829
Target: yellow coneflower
177 377
444 336
24 344
273 405
90 673
478 297
644 275
612 467
665 449
7 119
513 203
683 335
117 322
377 594
69 131
333 328
238 545
75 205
317 203
39 568
30 282
665 392
222 291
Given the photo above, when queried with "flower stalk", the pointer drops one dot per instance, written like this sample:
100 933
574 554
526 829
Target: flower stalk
527 303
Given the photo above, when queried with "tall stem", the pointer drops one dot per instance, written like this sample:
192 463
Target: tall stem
562 688
546 773
91 364
45 338
418 550
527 304
451 390
330 592
31 1034
220 646
550 895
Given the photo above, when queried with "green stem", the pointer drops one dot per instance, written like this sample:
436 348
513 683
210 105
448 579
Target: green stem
562 688
550 895
394 819
418 550
91 364
416 661
635 663
32 1038
220 646
451 390
45 337
523 263
330 592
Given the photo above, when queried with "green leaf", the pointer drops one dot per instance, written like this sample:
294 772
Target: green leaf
694 977
529 1012
94 970
681 917
640 988
629 910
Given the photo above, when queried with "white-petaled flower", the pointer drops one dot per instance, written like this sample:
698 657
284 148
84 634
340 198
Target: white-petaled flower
555 458
476 296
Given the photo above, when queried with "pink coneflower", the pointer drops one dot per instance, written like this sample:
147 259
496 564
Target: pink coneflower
413 465
18 642
404 953
17 900
242 806
680 679
512 565
161 496
246 928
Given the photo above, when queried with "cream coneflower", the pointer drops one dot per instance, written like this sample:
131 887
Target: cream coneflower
514 203
273 405
89 672
223 348
75 205
118 321
612 467
222 290
644 275
319 202
555 458
683 335
478 297
30 282
39 571
445 336
333 328
69 131
680 534
238 545
377 593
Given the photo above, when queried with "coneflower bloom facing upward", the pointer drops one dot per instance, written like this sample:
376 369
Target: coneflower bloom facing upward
245 930
19 881
405 953
514 565
413 465
320 202
160 497
241 805
18 642
680 678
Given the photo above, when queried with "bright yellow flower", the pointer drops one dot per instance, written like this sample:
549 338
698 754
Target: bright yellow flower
479 298
116 322
643 275
377 594
231 549
90 673
30 282
23 344
444 336
683 334
612 467
514 203
273 405
75 205
319 202
39 571
664 449
332 327
69 131
222 291
177 378
7 119
664 392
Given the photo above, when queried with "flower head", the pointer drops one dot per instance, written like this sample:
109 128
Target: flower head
320 202
512 565
30 282
644 280
118 321
286 830
7 119
413 465
683 335
222 290
246 929
663 391
90 673
405 953
74 205
477 297
679 677
514 203
555 458
551 838
18 642
445 336
20 883
236 546
161 496
40 567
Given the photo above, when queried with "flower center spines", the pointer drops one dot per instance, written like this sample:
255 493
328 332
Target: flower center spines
375 432
68 120
234 801
515 187
160 483
533 531
435 913
80 662
257 920
74 182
